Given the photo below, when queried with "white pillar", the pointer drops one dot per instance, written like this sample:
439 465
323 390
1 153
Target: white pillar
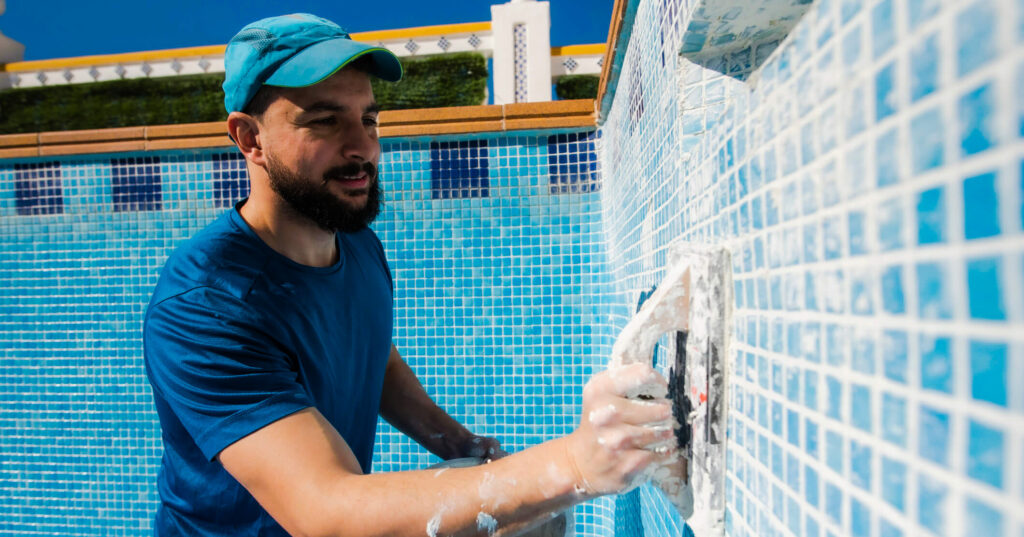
522 51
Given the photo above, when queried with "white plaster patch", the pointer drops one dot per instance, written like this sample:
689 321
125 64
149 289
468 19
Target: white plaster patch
485 521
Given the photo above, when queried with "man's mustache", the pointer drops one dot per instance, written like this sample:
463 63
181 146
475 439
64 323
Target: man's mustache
351 169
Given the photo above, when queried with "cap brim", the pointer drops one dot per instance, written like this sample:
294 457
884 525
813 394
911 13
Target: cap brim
321 60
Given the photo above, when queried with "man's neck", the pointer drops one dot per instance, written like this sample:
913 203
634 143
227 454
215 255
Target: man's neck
290 234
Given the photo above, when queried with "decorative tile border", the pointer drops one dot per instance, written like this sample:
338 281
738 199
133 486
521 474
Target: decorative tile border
393 124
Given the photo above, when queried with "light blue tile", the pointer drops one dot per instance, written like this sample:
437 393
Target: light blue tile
834 503
886 92
976 112
890 225
924 68
894 352
933 435
926 134
856 119
894 482
812 487
834 394
988 371
860 465
922 10
888 158
931 216
931 504
860 519
834 452
811 437
811 389
858 236
832 237
975 40
811 245
810 292
848 9
860 407
892 290
894 419
837 338
983 519
936 363
863 354
886 529
883 29
985 454
932 291
985 288
862 300
812 527
793 428
981 206
793 515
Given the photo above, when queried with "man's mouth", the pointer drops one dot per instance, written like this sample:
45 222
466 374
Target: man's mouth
361 180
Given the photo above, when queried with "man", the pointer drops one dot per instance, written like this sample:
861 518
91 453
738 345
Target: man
268 338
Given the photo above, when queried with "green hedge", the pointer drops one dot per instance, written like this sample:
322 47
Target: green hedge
577 87
458 79
118 103
449 80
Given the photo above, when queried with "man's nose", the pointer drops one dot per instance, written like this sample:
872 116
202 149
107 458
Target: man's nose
359 144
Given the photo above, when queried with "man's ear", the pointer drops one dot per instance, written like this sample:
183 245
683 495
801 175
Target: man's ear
245 131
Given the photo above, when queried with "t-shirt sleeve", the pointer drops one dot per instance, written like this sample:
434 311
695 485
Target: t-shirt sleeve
218 368
378 248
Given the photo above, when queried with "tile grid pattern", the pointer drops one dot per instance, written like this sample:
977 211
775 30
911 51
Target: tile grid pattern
496 299
869 186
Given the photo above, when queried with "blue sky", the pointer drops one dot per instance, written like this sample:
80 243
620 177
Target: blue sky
64 28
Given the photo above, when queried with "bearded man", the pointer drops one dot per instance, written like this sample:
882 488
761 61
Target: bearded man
268 337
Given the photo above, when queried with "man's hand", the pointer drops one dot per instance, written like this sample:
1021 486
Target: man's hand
481 447
619 435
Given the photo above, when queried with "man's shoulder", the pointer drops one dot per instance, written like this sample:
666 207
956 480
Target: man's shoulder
221 257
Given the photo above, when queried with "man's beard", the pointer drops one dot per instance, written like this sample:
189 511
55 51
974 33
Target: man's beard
313 200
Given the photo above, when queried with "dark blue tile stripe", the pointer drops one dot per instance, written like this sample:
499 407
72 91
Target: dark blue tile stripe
572 163
459 169
135 184
38 189
230 178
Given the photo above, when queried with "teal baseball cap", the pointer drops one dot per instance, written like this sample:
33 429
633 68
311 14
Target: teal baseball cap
294 51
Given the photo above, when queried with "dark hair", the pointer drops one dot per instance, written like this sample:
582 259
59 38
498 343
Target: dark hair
266 95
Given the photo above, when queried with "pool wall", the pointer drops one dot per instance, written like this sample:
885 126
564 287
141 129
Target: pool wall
866 176
494 241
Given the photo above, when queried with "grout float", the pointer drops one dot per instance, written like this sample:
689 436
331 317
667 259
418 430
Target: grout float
692 297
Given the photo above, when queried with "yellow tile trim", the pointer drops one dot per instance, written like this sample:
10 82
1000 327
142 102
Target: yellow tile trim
579 50
424 122
423 31
107 59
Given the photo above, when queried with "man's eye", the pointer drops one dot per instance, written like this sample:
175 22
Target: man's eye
329 120
370 121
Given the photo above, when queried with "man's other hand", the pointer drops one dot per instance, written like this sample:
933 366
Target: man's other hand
481 447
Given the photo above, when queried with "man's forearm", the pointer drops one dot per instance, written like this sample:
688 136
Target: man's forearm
490 500
406 405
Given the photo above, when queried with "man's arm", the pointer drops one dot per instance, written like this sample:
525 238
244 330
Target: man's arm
406 406
304 474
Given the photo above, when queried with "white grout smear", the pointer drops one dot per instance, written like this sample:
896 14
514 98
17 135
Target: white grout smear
485 521
434 524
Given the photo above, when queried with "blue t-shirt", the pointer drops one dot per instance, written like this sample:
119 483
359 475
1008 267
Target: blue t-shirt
238 336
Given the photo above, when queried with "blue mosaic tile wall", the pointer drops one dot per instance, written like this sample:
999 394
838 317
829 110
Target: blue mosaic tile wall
866 175
499 304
